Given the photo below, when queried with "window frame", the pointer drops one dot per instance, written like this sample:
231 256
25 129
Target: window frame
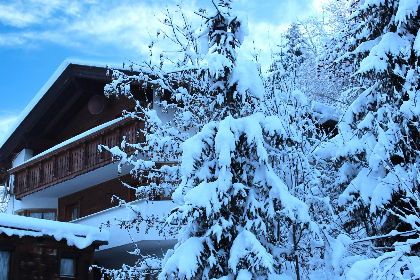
69 256
74 267
9 249
27 213
75 212
68 211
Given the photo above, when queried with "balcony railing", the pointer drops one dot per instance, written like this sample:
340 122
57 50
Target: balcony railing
77 157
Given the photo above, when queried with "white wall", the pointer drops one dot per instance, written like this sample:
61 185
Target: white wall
14 206
121 237
23 156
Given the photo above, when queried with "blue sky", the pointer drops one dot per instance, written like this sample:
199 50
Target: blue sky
36 36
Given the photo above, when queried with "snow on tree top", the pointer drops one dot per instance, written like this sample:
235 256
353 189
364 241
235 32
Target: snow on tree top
80 236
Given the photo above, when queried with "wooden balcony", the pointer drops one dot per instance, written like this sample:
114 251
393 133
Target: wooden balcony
74 158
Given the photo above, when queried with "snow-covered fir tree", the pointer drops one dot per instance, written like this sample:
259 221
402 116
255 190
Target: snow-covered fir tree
307 54
253 201
377 149
287 61
292 160
231 200
334 67
235 211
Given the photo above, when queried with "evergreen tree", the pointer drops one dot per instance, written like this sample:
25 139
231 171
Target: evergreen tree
377 150
232 203
286 67
233 206
292 160
334 66
308 59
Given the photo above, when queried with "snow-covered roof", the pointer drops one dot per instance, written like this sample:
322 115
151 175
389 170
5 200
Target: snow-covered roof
43 91
80 236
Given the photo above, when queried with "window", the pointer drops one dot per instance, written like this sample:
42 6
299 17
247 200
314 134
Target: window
4 264
68 267
42 214
37 215
48 216
68 264
72 212
75 212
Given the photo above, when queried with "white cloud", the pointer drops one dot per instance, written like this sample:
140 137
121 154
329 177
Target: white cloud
123 23
6 120
11 40
125 27
12 15
85 25
318 4
26 13
104 27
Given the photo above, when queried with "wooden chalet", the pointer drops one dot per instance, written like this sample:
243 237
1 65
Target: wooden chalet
34 249
53 170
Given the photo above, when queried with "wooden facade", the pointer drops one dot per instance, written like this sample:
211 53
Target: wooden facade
74 159
95 199
99 197
33 258
61 114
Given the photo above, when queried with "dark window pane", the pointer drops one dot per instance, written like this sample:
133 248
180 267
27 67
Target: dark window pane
4 264
43 215
67 267
49 216
75 213
37 215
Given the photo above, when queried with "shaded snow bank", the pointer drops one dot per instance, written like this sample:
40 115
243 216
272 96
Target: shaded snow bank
324 112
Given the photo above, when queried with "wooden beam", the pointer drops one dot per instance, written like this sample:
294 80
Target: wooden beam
61 112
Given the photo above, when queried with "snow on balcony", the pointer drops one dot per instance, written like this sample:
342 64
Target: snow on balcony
121 237
74 157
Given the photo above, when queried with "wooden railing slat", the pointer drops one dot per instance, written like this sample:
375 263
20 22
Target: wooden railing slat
74 160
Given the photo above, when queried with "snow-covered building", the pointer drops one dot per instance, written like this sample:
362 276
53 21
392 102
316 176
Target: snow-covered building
53 170
42 249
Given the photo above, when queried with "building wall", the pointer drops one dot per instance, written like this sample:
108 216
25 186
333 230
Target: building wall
96 198
85 120
39 258
15 206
